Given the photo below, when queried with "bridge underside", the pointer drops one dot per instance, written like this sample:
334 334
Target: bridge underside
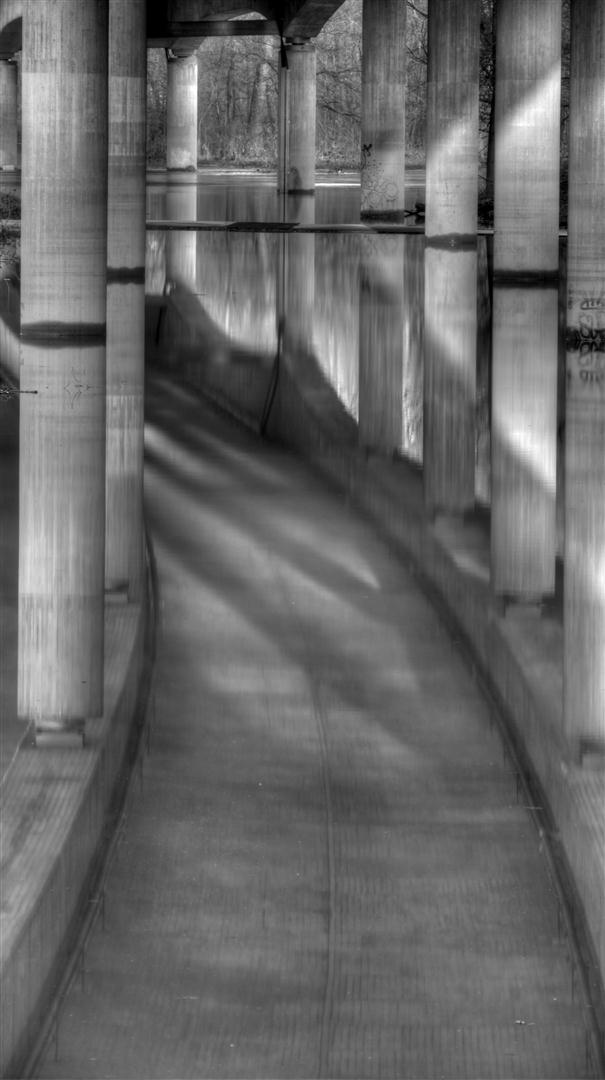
179 24
194 20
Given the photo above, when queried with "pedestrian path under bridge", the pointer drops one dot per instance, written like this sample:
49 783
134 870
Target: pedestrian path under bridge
326 867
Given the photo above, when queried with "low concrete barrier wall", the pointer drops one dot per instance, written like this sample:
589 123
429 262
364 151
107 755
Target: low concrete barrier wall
54 812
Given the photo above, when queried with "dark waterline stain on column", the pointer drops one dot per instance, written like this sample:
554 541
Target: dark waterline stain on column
62 334
125 275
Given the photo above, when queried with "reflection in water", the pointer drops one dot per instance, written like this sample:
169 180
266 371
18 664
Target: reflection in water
181 246
238 283
381 301
413 347
336 322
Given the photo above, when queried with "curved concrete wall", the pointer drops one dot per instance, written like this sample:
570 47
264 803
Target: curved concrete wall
54 806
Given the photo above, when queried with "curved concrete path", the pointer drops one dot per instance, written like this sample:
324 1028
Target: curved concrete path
325 872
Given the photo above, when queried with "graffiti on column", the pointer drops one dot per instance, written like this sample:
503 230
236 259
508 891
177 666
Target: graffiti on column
75 389
585 344
378 189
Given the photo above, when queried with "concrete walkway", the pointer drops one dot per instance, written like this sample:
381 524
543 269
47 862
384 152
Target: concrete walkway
326 871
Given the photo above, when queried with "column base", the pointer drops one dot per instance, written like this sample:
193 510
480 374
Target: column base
69 737
181 168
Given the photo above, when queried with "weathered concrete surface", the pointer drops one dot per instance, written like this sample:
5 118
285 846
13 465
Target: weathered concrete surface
383 68
585 405
450 277
62 364
126 241
297 119
525 319
325 872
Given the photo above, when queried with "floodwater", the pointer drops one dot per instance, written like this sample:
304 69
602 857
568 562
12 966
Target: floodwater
236 277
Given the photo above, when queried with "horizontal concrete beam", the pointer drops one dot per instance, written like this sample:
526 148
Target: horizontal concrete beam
305 18
10 38
200 10
190 35
195 20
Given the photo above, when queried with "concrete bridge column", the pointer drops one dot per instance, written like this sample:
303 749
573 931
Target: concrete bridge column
381 342
297 112
584 598
9 158
525 330
451 255
63 328
126 239
181 120
383 109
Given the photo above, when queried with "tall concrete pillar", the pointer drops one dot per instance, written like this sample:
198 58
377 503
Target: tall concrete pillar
282 125
8 114
63 327
383 109
584 599
381 327
296 117
181 118
526 220
126 241
451 255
